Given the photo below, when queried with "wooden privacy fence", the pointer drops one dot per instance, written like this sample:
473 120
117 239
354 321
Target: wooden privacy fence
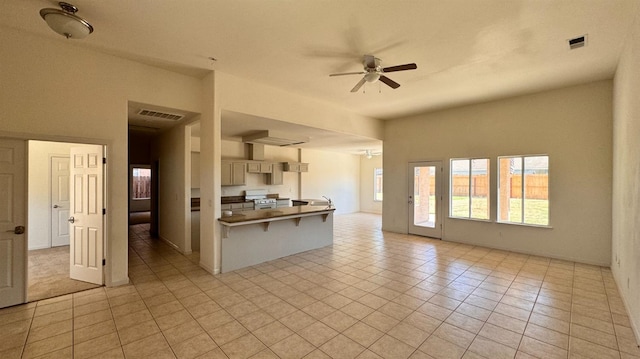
141 187
537 186
479 185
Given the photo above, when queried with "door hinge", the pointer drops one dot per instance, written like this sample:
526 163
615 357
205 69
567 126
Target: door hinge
104 262
104 211
104 160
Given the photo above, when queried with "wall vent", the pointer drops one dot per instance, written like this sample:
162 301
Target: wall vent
577 42
160 115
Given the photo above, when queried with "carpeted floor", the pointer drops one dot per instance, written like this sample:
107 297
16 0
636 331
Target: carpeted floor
49 274
139 218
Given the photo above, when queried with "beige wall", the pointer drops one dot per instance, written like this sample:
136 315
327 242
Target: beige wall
169 150
39 190
626 175
53 90
572 125
367 166
334 175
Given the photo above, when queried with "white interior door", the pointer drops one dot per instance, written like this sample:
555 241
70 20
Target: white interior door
86 221
13 244
59 200
425 199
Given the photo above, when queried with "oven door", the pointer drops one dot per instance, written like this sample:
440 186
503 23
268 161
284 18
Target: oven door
265 205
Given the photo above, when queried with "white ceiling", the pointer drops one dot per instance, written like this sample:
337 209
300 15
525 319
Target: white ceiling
466 50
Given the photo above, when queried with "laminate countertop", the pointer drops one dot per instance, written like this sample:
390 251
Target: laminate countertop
264 215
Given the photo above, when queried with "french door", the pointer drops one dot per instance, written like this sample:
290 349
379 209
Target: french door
425 198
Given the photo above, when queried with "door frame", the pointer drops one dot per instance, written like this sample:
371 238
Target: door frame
51 157
26 137
438 230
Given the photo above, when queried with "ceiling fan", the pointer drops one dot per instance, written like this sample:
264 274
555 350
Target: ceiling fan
370 153
373 71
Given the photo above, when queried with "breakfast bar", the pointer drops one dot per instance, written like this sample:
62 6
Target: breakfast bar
253 237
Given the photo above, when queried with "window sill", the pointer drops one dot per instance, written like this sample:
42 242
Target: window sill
472 219
526 225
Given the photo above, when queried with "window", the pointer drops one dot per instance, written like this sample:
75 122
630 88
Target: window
377 184
469 188
523 190
141 183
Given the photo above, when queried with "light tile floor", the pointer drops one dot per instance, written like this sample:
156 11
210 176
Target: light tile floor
371 295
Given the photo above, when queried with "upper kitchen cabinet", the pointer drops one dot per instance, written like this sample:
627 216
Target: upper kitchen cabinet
233 173
259 167
296 167
276 176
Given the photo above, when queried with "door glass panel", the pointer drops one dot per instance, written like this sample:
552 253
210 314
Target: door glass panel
424 211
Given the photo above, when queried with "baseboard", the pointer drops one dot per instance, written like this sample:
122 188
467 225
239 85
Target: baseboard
118 283
634 326
171 244
39 247
207 268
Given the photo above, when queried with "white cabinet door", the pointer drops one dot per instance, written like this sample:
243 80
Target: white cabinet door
13 244
86 221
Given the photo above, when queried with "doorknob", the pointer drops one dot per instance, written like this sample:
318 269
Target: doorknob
71 220
55 206
17 230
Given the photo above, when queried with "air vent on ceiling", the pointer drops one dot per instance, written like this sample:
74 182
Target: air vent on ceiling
577 42
160 115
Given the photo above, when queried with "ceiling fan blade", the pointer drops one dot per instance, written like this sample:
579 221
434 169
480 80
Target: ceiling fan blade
370 61
358 85
389 82
400 68
348 73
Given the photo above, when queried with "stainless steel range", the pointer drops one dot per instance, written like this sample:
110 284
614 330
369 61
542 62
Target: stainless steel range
259 198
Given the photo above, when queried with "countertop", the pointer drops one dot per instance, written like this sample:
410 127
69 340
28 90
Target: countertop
269 214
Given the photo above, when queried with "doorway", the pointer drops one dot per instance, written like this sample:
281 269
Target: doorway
51 207
425 199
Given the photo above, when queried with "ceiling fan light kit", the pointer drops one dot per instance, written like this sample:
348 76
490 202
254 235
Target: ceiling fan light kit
65 22
373 71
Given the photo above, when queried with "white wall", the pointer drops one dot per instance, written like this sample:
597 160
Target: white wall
367 167
334 175
626 175
54 90
572 125
39 188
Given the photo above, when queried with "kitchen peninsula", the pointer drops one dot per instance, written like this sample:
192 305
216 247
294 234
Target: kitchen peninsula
253 237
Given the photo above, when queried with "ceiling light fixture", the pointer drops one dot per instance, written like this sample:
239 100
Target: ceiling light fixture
368 154
65 22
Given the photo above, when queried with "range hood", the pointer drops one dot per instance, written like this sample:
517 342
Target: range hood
274 138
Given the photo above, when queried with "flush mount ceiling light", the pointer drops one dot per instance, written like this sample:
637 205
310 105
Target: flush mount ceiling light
65 22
